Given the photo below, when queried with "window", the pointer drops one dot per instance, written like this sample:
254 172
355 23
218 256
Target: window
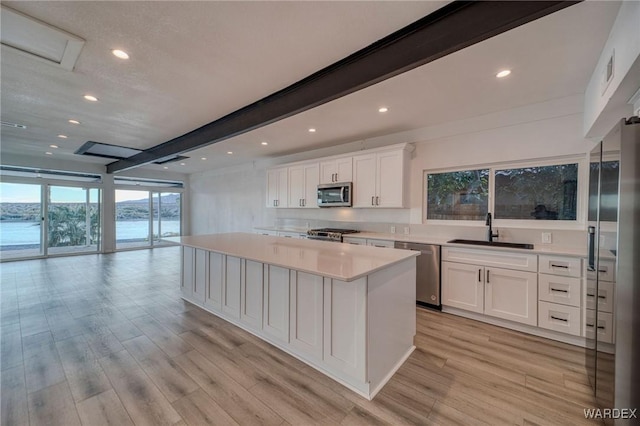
540 193
536 192
461 195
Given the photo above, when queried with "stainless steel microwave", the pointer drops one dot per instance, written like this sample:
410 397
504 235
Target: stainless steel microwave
335 194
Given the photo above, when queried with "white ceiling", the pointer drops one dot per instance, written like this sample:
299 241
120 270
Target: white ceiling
194 62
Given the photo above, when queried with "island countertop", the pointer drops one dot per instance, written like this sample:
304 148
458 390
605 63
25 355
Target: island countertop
329 259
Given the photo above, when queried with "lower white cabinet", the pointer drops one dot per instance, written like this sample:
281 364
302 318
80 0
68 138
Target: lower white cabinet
380 243
188 264
201 269
275 308
604 327
354 241
497 292
251 287
511 295
345 326
217 267
463 286
563 318
231 287
306 313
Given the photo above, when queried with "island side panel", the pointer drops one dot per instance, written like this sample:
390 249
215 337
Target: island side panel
391 300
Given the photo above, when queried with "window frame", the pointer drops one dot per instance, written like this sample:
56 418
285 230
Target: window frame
581 206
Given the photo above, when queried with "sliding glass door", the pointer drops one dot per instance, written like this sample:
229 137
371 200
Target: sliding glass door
143 218
73 220
20 220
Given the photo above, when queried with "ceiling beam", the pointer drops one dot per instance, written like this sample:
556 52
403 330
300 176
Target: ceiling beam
453 27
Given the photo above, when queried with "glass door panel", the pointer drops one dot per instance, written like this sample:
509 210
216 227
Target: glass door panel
167 220
20 220
73 224
132 219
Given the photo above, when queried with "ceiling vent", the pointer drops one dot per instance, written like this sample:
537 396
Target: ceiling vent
14 125
39 39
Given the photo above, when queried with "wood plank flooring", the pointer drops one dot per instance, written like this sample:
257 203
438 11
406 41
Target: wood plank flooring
106 339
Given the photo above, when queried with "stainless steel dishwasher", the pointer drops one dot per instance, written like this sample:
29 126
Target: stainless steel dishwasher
427 272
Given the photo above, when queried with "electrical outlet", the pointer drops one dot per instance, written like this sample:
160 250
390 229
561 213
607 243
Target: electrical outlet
406 230
393 229
546 238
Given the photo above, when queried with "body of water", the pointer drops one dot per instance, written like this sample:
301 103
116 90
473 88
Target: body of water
22 233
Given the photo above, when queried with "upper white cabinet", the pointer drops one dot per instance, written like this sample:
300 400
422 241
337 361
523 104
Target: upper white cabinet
277 187
303 185
379 176
336 170
379 179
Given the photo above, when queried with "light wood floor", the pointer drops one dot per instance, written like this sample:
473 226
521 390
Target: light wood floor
106 339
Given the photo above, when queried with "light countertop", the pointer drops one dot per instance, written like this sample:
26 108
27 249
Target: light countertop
329 259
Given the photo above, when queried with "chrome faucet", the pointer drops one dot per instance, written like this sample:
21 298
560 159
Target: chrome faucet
490 234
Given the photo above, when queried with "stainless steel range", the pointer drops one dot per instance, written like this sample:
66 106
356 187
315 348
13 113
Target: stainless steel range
329 234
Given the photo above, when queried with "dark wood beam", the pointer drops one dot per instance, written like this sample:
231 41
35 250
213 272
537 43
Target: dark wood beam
455 26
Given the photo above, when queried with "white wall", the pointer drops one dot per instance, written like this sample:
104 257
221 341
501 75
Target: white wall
624 39
233 199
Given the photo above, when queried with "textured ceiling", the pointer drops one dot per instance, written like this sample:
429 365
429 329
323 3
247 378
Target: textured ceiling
193 62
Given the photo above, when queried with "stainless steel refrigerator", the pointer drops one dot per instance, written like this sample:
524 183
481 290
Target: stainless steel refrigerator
614 239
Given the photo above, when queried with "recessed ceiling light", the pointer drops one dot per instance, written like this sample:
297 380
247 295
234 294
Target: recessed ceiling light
383 109
53 146
312 130
62 136
120 54
91 98
49 153
229 152
182 164
503 73
165 167
265 143
203 158
74 121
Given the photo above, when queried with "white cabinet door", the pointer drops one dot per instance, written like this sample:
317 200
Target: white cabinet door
389 179
213 298
345 326
463 286
188 263
276 302
307 292
364 180
380 243
251 288
200 281
311 181
277 180
511 295
354 241
336 170
296 186
231 288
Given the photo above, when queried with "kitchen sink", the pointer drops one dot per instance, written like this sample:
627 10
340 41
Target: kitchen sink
493 244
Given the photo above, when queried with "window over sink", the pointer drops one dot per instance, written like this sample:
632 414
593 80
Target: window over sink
519 194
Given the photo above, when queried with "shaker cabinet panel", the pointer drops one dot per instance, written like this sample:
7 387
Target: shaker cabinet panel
511 295
213 299
307 292
276 302
251 294
200 278
463 286
188 264
231 288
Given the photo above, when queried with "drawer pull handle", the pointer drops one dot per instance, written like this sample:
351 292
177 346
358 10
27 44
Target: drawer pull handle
479 275
560 266
599 296
603 270
488 282
560 291
600 327
559 319
590 325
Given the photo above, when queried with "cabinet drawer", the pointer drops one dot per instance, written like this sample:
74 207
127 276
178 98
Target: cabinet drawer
380 243
354 241
605 296
500 259
558 265
605 326
557 289
553 316
606 271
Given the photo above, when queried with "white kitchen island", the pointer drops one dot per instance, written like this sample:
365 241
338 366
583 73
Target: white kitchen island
348 311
